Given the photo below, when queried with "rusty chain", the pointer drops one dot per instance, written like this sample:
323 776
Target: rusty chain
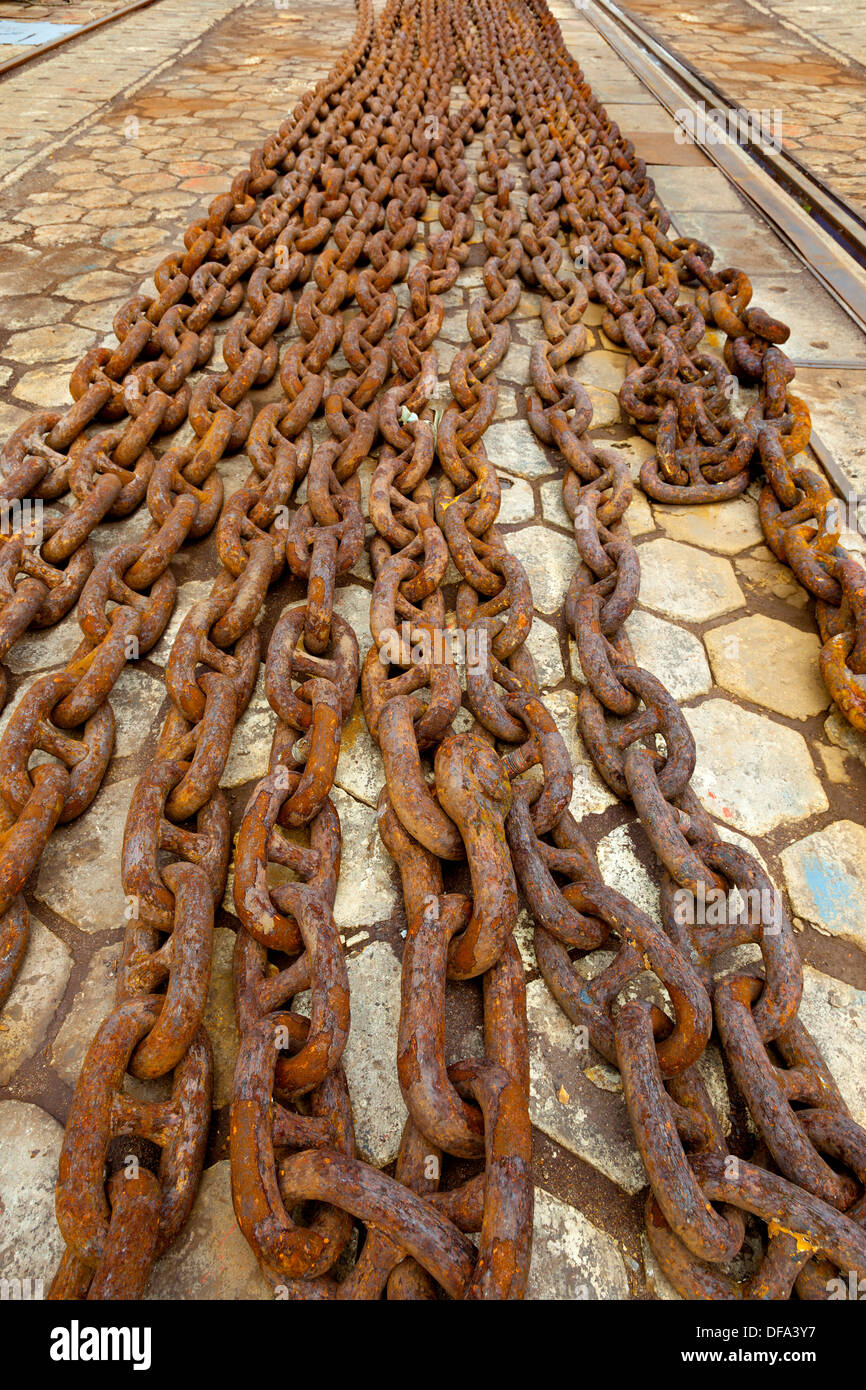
297 1102
352 171
111 1241
226 268
774 1061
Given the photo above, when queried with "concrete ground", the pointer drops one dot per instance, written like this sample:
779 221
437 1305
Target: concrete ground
143 124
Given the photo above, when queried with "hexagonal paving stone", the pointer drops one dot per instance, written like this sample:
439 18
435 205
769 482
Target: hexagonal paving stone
763 572
835 1015
515 364
367 891
95 285
605 407
24 271
752 773
30 312
572 1258
672 653
92 1003
601 368
655 1279
45 386
590 793
507 407
550 560
826 877
770 663
187 595
834 762
517 502
360 770
621 868
35 995
30 1242
128 238
636 450
845 736
11 417
669 652
524 936
543 646
370 1058
564 1103
352 602
210 1258
552 505
112 533
79 876
42 216
136 700
512 446
726 526
47 343
41 649
686 583
639 517
250 749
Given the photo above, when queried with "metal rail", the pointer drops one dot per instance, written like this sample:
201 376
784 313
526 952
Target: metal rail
12 63
820 226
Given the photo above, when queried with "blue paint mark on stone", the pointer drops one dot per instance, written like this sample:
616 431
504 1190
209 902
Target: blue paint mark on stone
31 34
832 890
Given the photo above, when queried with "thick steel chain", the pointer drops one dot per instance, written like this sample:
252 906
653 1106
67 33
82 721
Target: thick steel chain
112 1242
111 471
475 1107
351 172
294 920
229 270
680 397
621 712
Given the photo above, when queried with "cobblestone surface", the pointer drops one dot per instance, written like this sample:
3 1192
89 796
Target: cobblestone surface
86 219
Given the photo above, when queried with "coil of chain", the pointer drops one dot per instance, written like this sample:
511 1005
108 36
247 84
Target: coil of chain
794 1102
354 164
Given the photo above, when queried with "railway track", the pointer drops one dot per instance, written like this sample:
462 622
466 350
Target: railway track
43 50
824 230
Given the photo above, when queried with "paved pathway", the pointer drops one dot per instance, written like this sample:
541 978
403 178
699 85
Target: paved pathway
23 26
806 58
720 621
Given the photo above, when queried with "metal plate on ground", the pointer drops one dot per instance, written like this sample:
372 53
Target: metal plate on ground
23 34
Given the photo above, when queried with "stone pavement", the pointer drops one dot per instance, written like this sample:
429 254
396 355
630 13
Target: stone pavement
720 621
806 58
